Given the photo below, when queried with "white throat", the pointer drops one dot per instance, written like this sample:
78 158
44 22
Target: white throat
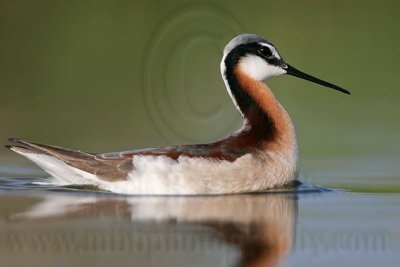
258 69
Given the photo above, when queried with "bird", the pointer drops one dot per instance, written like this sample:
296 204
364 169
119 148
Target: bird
261 155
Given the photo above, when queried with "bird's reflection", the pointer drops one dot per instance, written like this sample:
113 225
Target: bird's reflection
259 227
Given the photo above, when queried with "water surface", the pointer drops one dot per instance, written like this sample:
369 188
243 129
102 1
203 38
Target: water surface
303 226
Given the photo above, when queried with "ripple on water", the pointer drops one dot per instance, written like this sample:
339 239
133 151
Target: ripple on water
23 184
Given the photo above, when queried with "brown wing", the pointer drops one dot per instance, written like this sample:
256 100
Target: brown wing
115 166
217 151
109 169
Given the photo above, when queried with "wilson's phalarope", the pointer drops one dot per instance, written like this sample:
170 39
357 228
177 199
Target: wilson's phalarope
261 155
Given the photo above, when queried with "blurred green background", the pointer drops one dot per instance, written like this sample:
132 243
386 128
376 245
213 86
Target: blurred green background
114 75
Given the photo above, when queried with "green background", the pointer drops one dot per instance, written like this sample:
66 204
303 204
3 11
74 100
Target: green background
115 75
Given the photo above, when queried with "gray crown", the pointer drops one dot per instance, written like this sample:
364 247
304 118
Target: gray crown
245 38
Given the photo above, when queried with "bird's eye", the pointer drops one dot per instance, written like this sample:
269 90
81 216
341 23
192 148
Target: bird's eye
265 52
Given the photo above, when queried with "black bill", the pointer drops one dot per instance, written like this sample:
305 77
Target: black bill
295 72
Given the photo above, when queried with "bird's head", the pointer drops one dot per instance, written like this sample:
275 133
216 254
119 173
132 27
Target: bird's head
259 59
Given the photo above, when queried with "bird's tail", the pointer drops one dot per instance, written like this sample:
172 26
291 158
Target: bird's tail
60 163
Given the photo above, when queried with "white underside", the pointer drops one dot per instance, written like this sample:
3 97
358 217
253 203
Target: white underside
160 175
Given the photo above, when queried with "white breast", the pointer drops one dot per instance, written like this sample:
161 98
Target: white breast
160 175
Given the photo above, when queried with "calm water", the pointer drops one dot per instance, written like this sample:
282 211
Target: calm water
113 75
305 226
